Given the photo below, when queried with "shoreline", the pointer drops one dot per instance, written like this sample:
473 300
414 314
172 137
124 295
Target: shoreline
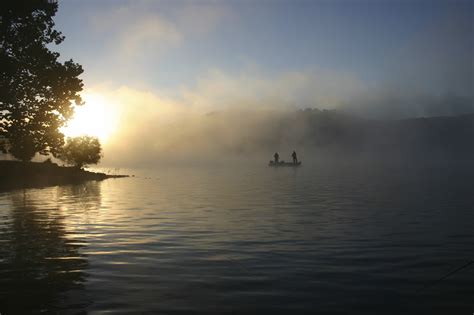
18 175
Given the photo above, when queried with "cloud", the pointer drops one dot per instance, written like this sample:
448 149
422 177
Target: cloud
131 33
200 19
250 89
150 35
136 30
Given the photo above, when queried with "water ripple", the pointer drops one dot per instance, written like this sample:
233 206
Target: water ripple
248 241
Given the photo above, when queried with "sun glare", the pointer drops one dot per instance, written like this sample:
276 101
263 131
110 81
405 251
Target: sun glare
95 118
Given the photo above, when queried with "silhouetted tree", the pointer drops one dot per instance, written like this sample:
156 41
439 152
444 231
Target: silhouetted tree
37 91
81 151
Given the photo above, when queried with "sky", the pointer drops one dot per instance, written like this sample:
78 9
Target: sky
159 60
171 45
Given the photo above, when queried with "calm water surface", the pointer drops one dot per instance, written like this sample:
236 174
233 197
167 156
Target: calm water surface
324 240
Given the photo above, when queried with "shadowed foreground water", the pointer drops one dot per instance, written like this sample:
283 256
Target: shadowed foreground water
329 240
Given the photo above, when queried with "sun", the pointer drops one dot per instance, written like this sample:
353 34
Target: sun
95 118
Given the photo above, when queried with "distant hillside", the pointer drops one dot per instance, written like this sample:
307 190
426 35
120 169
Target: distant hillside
436 135
337 132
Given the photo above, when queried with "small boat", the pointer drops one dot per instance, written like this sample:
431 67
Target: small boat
283 163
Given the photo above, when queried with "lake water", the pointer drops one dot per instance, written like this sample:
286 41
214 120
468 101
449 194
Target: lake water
319 239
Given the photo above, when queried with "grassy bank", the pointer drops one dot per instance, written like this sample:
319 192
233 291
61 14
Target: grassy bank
15 174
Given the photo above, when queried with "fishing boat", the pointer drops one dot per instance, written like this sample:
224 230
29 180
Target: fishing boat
283 163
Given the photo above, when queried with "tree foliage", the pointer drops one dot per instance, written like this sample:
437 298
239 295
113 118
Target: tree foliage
37 91
81 151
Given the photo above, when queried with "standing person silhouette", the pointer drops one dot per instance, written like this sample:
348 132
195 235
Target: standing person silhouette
277 157
295 158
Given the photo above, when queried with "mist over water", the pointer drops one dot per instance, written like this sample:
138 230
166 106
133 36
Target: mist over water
252 136
321 238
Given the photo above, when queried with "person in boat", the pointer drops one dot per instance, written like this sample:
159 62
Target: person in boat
277 157
295 157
